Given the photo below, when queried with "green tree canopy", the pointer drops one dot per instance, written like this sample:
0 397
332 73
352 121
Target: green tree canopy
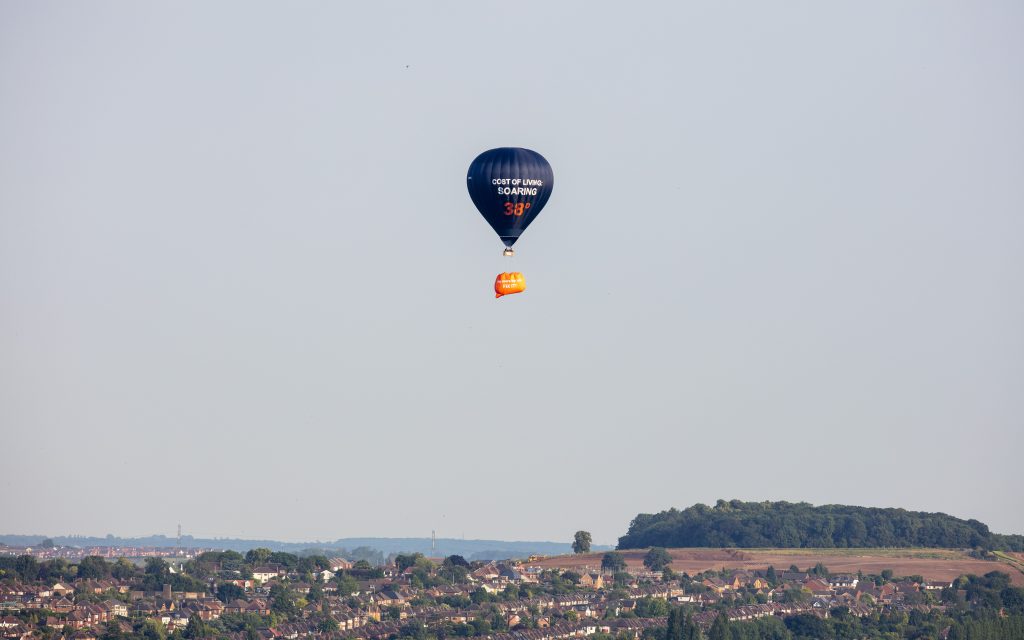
196 628
123 569
257 556
581 542
93 568
347 585
457 561
720 628
651 607
405 560
613 561
735 523
657 559
227 592
282 601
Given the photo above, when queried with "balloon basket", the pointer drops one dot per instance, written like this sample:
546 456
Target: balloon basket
508 252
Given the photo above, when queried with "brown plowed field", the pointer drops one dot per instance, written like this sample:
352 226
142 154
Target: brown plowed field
931 564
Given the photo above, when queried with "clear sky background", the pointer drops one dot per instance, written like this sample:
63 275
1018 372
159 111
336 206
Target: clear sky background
243 287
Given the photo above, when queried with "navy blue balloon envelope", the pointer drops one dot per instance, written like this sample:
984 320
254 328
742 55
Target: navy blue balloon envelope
510 186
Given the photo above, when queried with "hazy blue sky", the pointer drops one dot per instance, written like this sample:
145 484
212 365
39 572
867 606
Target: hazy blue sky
243 288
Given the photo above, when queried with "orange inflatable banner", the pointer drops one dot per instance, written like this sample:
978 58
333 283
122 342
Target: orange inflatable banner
509 283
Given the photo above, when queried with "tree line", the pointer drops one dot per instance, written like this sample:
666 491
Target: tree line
785 524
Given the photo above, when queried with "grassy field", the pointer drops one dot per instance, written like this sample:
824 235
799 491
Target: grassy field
931 564
883 552
1013 559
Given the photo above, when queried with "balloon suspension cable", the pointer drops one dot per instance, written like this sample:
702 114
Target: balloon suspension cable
508 252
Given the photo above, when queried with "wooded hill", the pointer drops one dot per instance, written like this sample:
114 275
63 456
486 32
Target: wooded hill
790 525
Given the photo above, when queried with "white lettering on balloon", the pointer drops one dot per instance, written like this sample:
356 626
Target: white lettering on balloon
519 186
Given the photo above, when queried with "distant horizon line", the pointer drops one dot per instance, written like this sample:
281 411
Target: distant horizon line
187 536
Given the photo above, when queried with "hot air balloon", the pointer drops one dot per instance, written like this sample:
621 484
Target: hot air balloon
510 186
509 283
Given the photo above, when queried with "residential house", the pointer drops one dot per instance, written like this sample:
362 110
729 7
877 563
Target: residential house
267 572
116 608
867 589
258 606
236 606
487 572
937 585
61 589
843 581
339 564
508 574
818 588
245 584
759 583
908 586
